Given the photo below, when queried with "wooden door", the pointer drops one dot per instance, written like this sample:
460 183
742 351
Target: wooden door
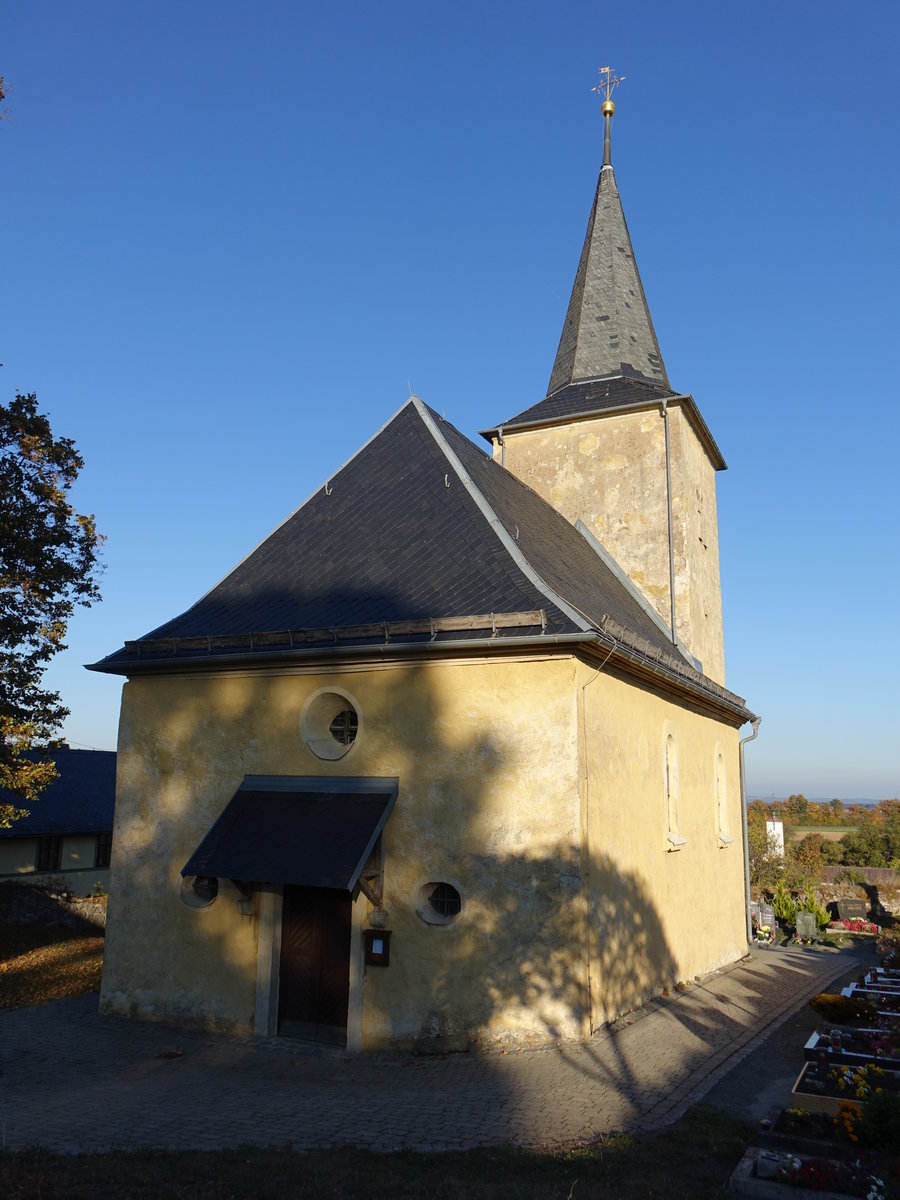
314 985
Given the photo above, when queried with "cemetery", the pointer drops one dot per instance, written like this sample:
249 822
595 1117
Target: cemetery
840 1133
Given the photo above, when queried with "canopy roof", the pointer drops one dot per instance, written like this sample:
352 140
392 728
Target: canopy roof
292 829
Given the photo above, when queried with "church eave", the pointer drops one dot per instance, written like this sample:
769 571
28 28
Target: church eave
631 653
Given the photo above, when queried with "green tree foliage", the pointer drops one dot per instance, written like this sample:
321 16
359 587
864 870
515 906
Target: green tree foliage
48 565
766 861
810 904
805 860
783 904
875 843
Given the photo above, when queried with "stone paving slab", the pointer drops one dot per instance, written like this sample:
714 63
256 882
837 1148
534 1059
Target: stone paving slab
75 1082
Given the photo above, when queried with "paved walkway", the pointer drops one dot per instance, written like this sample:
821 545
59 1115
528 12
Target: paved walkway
73 1082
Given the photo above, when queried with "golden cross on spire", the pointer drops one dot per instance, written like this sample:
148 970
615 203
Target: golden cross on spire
608 84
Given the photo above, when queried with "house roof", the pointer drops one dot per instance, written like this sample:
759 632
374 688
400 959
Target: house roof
419 541
81 800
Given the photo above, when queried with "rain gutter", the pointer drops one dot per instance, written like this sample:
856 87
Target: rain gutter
756 721
391 650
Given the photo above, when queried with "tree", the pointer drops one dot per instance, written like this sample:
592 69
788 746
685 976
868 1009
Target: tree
766 858
48 565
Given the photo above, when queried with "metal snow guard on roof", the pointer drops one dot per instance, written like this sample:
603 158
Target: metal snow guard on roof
297 829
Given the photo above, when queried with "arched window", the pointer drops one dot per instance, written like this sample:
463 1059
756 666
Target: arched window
675 840
722 800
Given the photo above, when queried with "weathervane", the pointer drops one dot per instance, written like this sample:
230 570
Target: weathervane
609 81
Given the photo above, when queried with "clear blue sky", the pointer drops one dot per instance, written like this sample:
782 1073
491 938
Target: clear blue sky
234 236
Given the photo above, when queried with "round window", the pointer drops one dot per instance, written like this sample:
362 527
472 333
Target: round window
445 900
438 903
199 891
330 724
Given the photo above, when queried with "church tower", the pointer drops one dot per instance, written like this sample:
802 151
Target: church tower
615 449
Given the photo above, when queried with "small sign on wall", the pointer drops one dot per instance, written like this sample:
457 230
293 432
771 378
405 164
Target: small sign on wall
378 947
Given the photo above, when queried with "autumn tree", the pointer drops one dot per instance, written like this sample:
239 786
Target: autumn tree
48 565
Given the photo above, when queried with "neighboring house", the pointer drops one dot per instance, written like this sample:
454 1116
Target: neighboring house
67 835
431 766
775 836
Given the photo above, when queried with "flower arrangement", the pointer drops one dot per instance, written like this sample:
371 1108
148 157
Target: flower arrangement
853 926
824 1174
762 933
888 944
846 1123
860 1081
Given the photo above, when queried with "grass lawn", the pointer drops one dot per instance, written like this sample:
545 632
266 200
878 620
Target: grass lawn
690 1161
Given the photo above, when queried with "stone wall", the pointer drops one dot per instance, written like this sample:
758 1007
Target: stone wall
43 905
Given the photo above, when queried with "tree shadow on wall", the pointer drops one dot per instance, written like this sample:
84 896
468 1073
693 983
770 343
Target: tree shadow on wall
551 942
527 962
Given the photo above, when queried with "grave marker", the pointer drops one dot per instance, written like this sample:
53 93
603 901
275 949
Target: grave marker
806 925
850 909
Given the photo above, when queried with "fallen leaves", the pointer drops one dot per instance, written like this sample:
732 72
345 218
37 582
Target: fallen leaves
42 963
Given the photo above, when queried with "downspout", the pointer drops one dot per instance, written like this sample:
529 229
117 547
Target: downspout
665 414
502 445
756 723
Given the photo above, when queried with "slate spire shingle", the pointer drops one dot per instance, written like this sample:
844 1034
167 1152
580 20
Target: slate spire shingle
608 330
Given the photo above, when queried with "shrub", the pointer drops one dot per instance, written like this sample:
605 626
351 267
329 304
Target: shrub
810 904
850 875
879 1122
784 906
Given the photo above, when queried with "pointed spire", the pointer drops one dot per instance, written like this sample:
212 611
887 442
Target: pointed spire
608 330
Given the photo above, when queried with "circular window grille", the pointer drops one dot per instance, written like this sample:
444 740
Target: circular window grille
438 903
345 727
330 724
445 900
199 891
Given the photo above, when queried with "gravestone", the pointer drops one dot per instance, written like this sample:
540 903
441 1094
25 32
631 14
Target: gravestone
767 915
806 925
850 909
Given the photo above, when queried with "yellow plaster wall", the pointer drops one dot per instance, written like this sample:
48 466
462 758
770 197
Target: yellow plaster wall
698 589
535 787
610 472
486 754
658 916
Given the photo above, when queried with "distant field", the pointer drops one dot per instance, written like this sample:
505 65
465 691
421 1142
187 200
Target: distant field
831 833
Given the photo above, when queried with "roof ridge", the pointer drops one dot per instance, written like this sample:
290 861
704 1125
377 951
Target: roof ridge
290 516
495 522
607 559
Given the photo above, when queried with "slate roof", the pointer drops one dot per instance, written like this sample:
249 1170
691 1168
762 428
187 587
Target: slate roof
81 800
592 396
291 829
608 330
608 357
420 524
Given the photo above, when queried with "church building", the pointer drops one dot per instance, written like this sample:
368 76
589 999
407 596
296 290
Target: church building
449 760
